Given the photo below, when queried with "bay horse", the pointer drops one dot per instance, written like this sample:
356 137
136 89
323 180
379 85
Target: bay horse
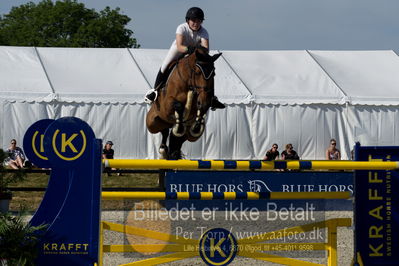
183 102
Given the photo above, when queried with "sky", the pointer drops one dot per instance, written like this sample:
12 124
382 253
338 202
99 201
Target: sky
263 24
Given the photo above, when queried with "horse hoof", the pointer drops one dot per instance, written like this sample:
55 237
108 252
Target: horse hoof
179 130
176 155
196 130
163 150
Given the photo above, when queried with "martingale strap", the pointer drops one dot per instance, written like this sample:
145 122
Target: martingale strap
206 71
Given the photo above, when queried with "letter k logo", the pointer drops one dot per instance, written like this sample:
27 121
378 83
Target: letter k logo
216 247
68 142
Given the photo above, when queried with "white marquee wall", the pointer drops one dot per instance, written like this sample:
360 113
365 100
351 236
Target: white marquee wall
238 132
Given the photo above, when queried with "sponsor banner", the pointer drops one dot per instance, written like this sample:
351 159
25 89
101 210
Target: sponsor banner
377 209
270 181
71 205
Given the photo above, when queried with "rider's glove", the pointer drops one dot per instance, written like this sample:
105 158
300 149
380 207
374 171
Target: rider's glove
190 49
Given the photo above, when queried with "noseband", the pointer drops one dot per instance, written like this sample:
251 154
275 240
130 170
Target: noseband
209 70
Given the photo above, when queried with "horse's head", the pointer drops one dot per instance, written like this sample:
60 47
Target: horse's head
202 79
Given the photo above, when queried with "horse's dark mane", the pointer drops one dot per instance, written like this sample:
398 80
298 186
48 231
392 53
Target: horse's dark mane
203 49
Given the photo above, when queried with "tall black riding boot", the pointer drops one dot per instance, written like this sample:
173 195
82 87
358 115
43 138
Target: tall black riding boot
215 104
159 82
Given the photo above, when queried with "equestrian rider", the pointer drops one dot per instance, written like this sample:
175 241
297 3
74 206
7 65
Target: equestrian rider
188 36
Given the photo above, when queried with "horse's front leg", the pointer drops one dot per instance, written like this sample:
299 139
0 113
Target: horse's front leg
179 129
198 127
175 144
163 149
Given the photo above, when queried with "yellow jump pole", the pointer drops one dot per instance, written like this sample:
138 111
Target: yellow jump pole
354 165
248 165
149 195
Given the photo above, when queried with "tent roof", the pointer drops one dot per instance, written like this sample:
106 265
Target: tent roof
102 75
366 77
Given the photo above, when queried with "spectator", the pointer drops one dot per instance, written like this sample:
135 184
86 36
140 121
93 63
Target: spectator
272 154
332 153
16 157
108 153
289 153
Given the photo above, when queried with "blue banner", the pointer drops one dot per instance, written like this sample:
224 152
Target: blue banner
377 209
265 181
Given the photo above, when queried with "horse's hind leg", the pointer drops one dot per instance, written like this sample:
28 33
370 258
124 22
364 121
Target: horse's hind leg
175 144
179 128
163 149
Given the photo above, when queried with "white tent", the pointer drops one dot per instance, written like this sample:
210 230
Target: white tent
299 97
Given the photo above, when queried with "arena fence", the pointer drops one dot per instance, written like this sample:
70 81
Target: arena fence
249 165
72 203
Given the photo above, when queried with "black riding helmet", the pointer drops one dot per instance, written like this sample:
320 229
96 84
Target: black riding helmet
195 13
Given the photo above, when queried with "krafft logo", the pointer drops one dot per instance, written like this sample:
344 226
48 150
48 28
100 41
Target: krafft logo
68 141
34 143
218 246
67 146
37 145
65 248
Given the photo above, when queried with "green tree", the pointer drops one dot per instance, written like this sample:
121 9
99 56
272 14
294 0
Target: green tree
65 24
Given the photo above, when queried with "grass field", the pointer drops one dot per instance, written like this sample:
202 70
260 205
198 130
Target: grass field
30 201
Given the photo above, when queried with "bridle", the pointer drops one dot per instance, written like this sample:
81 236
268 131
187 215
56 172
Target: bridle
191 81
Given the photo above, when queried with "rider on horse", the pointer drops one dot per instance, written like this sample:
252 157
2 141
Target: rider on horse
188 36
